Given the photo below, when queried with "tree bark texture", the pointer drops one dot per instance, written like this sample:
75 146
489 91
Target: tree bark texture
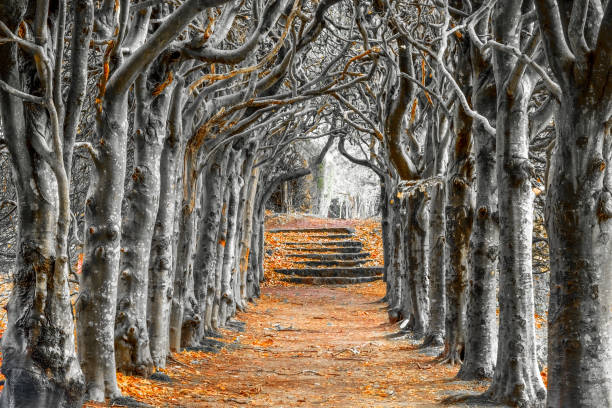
459 215
132 351
397 264
96 305
418 261
39 358
437 268
517 379
227 293
160 285
206 259
481 318
579 206
221 242
184 261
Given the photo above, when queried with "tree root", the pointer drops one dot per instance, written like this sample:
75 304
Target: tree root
399 335
481 399
432 340
451 356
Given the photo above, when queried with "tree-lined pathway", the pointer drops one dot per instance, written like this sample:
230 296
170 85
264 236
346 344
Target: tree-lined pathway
307 345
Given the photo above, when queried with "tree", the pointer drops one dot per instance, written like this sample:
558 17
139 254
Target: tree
578 47
40 361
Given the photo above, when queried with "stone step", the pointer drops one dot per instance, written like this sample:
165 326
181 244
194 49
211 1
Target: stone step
337 262
331 257
336 230
333 272
329 243
344 250
332 281
334 236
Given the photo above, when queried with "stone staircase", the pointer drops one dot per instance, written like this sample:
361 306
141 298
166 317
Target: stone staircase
329 256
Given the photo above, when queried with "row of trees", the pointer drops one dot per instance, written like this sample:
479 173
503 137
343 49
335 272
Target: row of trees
200 100
462 115
176 117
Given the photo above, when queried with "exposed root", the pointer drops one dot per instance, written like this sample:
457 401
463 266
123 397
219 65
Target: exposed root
213 333
468 399
470 373
432 340
451 356
399 335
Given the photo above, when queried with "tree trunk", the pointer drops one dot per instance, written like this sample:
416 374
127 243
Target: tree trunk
242 193
253 273
39 358
397 264
192 310
184 261
517 378
247 233
481 318
206 260
132 351
579 218
579 205
386 238
437 272
418 261
227 293
459 214
247 197
161 257
221 242
96 305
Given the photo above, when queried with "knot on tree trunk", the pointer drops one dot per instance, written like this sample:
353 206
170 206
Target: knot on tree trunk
520 170
604 211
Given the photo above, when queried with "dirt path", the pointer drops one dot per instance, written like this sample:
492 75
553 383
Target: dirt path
306 346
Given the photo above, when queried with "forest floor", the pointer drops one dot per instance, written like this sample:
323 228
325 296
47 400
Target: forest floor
306 345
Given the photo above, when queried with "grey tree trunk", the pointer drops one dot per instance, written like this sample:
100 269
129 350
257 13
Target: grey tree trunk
516 356
245 211
247 233
406 314
221 242
579 205
580 321
418 260
192 309
386 238
437 271
39 358
517 378
184 258
459 215
481 318
132 351
161 258
254 273
227 293
397 264
206 259
96 305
